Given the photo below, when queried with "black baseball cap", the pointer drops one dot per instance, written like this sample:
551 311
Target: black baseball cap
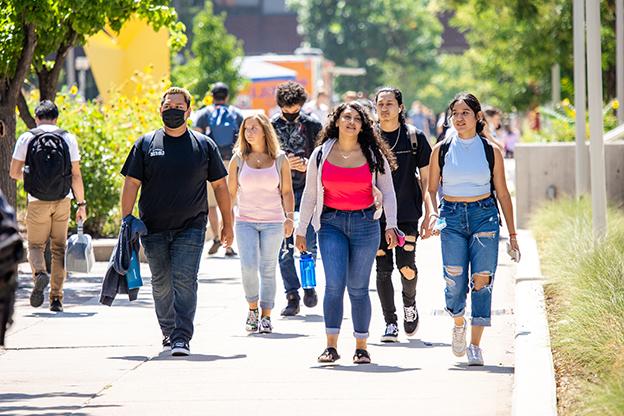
220 89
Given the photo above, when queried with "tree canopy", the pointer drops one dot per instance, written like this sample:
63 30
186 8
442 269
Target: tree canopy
213 57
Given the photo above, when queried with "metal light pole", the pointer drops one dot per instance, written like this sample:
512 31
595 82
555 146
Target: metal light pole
619 57
580 102
555 77
596 128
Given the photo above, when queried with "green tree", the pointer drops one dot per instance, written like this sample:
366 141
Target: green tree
514 43
213 57
35 35
395 41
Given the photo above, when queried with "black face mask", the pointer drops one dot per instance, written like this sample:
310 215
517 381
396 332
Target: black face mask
291 116
173 118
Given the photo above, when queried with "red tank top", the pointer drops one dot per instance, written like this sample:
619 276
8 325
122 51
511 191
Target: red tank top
347 189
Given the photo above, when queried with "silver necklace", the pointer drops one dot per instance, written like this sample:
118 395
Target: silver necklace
397 138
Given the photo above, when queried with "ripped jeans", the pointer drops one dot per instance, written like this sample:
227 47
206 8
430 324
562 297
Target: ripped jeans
469 243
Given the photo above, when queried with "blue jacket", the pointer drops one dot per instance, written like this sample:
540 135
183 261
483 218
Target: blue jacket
115 281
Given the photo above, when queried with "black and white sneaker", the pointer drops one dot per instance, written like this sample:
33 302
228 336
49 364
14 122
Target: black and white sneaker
265 326
410 324
180 348
166 343
391 334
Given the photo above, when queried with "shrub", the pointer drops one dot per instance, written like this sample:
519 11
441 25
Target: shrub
586 292
105 134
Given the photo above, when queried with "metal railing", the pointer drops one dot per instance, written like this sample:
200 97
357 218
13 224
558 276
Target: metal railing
615 134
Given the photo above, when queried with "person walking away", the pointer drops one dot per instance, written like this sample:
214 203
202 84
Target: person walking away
171 166
48 160
296 133
412 152
345 188
471 172
260 181
221 122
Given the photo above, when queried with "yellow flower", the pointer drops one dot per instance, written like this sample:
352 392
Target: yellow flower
565 102
615 104
73 90
207 99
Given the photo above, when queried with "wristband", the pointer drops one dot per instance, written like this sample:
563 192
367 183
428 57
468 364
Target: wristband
81 204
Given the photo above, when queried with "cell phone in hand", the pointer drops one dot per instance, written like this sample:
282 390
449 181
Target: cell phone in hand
513 253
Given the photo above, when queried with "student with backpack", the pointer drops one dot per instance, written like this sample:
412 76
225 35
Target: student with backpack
221 122
471 172
412 151
296 133
48 160
345 190
261 185
172 167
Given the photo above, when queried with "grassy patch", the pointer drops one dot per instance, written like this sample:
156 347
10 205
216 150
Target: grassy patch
585 297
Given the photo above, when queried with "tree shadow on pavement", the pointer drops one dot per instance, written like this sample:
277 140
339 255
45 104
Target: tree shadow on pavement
197 357
411 343
51 410
276 335
60 314
218 280
494 369
12 397
365 368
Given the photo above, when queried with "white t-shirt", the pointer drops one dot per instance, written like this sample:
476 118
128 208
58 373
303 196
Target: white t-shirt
21 148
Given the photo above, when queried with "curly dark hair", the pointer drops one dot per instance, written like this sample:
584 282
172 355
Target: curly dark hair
290 93
371 143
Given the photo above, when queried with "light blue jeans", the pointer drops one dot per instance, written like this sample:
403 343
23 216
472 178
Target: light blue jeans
469 247
259 246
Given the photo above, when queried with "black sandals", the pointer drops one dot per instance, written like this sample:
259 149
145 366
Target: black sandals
329 355
361 357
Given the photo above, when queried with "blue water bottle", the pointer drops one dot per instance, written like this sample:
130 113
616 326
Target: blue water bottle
308 272
133 276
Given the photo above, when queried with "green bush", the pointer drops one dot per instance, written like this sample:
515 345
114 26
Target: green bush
559 125
586 286
105 134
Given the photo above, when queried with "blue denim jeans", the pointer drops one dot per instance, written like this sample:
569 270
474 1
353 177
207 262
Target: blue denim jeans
469 243
258 247
287 259
348 241
173 258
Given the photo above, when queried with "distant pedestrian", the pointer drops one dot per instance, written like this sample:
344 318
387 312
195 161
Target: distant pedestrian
412 152
349 169
471 172
319 107
48 160
260 182
171 167
221 122
296 133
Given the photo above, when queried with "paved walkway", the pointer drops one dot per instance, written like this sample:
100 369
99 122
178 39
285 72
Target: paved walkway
96 360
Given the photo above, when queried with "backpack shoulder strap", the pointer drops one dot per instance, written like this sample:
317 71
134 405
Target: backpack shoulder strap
202 143
413 136
446 143
153 140
236 158
489 154
319 157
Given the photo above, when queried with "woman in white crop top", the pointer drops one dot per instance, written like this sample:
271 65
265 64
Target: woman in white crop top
468 222
260 184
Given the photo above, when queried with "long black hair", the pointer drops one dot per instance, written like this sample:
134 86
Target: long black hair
371 143
398 95
472 102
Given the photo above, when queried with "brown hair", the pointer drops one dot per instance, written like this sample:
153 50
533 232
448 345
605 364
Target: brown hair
177 90
243 148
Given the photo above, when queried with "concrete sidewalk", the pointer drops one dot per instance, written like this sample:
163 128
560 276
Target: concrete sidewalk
96 360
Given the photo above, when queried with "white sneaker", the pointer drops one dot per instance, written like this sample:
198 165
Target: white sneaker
459 340
474 355
265 326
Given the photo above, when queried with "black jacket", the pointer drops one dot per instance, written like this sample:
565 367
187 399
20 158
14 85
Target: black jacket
115 281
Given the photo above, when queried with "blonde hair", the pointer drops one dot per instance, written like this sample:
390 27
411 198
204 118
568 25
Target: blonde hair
243 148
177 91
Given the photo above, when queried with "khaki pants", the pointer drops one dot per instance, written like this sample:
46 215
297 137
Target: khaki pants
48 220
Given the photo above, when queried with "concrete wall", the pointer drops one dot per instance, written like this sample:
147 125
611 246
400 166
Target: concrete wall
539 166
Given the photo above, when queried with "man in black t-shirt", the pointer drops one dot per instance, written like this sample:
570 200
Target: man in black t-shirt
171 166
410 185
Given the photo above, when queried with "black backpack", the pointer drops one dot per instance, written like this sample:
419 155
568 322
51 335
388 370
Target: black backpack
47 170
489 156
11 253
